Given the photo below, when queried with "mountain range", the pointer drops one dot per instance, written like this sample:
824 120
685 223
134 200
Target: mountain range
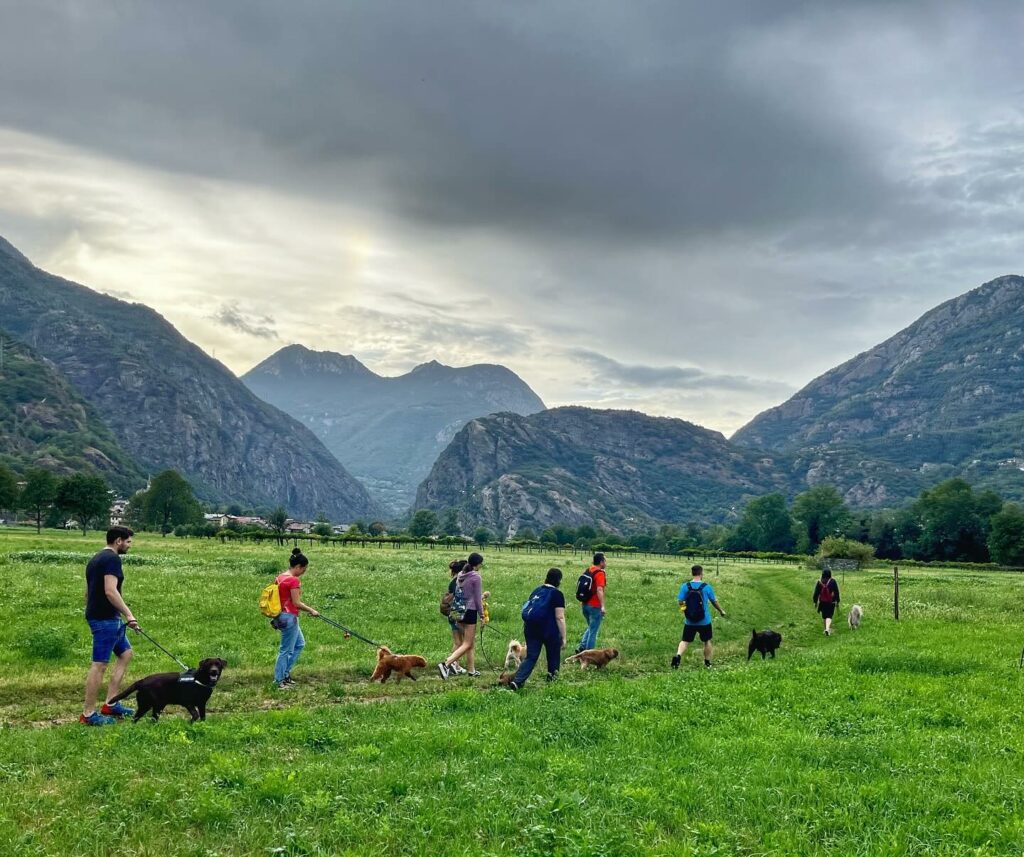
91 382
943 397
621 470
387 431
44 422
169 404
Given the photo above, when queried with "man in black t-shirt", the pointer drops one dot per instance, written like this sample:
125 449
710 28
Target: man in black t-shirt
104 609
543 626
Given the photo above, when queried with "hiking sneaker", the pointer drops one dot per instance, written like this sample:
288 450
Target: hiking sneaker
288 680
117 710
473 673
283 685
455 669
707 664
96 719
828 632
444 670
676 660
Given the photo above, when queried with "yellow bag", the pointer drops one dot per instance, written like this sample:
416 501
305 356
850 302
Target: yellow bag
270 600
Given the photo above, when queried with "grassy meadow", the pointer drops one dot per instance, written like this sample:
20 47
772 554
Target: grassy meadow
902 738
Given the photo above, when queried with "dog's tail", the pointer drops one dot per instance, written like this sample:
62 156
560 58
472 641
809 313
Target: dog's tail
128 691
573 658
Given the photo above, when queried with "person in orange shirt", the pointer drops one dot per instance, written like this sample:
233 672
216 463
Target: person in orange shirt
594 608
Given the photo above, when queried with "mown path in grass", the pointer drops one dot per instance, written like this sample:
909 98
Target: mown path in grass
198 600
901 739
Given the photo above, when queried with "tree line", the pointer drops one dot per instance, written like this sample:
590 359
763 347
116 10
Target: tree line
50 501
948 522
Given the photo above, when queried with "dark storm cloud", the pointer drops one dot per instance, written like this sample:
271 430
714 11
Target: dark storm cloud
582 118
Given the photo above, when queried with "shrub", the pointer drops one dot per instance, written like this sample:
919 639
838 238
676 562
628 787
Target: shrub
47 644
836 547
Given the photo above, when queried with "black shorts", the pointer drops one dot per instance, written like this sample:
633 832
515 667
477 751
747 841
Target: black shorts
469 617
828 610
691 631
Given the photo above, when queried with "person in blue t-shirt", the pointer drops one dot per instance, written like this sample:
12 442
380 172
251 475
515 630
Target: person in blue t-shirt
696 598
543 625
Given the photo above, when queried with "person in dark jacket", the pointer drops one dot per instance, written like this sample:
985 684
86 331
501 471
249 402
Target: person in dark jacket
826 597
543 626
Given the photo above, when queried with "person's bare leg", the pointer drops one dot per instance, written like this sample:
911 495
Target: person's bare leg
92 686
457 639
117 674
828 627
682 648
470 632
707 651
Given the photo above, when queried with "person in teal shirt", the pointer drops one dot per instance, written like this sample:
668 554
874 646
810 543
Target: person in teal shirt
696 598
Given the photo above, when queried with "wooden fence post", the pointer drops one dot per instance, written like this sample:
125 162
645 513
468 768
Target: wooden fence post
896 592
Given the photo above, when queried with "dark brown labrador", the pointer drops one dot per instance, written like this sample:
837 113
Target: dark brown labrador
191 691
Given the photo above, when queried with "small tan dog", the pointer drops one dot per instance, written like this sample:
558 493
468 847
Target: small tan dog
402 665
594 658
516 653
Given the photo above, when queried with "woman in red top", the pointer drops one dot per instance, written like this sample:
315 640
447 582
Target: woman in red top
292 642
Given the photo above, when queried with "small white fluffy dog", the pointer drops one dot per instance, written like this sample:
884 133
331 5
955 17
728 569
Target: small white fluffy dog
856 614
516 652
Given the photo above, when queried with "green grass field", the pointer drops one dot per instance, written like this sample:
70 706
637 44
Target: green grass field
903 738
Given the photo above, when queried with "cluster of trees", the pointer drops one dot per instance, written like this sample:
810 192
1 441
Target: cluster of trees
50 500
949 522
426 523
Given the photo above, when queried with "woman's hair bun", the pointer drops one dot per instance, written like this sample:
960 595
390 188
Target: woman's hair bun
296 552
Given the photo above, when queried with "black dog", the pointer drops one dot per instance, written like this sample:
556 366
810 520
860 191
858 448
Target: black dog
191 690
764 642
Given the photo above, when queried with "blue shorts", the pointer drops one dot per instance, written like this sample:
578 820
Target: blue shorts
108 636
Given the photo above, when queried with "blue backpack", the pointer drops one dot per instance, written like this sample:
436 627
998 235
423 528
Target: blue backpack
538 607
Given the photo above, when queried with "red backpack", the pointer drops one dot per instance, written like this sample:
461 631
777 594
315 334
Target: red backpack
825 595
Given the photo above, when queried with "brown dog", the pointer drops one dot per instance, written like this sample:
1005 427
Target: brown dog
191 690
594 657
505 679
388 662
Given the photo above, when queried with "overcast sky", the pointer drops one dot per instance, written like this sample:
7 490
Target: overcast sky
688 208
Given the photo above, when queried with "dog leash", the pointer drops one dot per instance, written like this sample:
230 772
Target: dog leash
180 663
348 631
